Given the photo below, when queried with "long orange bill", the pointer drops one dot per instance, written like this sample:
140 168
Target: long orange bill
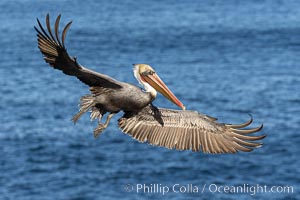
161 87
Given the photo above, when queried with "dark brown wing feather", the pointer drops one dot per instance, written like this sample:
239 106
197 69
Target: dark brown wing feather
184 130
56 55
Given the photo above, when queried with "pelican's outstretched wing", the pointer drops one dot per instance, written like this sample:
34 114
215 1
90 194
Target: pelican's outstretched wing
185 129
56 55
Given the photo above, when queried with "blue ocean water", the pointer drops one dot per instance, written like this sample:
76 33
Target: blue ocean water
222 58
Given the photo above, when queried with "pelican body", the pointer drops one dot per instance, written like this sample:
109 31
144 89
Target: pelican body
180 129
128 97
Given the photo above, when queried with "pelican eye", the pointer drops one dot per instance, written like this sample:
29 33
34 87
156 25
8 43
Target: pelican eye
151 72
148 73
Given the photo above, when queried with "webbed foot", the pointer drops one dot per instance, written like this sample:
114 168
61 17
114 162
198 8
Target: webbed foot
100 128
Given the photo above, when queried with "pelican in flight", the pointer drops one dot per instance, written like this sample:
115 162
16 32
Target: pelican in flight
180 129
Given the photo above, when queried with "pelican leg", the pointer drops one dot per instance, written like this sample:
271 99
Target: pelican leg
101 126
100 119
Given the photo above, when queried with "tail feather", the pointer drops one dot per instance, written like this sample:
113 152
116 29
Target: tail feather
86 103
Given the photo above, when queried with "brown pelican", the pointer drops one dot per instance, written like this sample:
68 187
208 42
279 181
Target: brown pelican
179 129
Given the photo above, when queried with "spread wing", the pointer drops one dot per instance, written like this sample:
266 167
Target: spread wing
184 130
56 55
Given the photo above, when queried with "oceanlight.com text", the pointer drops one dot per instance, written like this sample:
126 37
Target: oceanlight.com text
164 189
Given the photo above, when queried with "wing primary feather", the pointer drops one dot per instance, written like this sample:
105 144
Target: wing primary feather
240 147
56 29
49 26
249 144
249 130
247 123
221 145
46 44
227 141
245 137
44 34
65 33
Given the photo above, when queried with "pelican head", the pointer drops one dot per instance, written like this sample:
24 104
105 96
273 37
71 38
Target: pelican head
147 77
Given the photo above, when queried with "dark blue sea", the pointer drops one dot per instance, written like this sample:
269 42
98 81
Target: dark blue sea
222 58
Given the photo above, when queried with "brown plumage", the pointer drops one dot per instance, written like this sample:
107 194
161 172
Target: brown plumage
179 129
56 55
185 129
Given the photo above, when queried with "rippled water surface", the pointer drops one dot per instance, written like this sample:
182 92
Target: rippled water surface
222 58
